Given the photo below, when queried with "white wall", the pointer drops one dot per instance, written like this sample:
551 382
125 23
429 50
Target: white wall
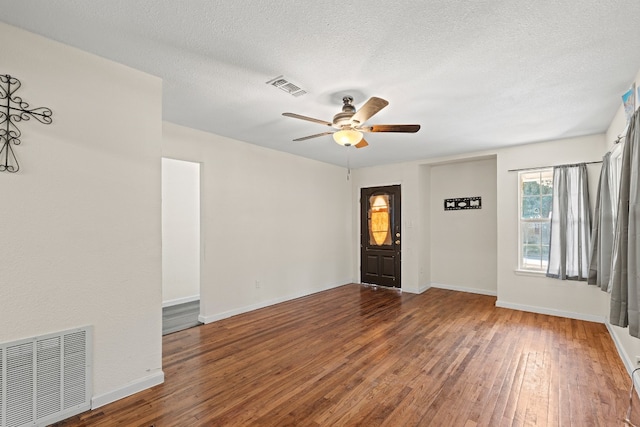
424 246
446 175
266 216
180 231
536 292
81 220
629 346
463 243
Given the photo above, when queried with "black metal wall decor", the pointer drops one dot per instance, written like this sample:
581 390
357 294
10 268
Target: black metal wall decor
463 203
12 111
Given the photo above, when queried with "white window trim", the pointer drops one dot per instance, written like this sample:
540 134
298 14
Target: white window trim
532 273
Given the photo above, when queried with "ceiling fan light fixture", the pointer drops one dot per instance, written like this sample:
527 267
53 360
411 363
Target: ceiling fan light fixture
347 137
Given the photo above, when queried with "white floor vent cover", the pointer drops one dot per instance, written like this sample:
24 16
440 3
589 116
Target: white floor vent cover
45 379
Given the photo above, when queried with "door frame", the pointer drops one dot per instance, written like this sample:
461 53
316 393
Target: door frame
359 226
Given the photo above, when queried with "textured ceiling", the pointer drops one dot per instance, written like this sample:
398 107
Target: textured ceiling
476 74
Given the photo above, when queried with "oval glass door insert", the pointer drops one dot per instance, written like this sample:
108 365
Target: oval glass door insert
379 220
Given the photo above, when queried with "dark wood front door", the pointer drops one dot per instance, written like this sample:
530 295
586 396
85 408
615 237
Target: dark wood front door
380 236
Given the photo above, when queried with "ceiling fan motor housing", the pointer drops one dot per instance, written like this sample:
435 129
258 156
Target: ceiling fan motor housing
348 110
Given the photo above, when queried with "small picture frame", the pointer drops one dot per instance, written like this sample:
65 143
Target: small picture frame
629 102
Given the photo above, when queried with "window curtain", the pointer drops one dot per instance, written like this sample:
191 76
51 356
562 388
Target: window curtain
570 240
626 247
603 230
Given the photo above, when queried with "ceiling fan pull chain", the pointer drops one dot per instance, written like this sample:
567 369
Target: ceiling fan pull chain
348 166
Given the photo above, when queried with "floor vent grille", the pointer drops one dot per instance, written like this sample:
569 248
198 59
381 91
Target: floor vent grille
45 379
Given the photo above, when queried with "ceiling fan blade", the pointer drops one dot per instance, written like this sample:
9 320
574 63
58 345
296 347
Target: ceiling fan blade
309 119
363 143
313 136
371 107
391 128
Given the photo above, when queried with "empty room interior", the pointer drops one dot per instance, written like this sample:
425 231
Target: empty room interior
314 214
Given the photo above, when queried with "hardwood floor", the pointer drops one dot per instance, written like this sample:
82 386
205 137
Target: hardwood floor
367 356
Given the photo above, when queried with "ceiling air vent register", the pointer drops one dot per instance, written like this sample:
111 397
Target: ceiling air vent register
285 85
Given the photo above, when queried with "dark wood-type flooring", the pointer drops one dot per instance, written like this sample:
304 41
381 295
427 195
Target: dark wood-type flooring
367 356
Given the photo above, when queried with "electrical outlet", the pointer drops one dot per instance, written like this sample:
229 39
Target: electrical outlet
257 284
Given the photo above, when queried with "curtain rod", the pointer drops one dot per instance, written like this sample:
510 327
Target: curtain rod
618 139
553 166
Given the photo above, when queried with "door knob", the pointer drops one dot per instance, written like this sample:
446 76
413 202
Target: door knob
397 242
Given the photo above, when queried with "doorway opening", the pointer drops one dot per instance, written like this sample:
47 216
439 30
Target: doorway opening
180 245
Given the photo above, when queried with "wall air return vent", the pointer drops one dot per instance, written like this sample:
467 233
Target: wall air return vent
45 379
285 85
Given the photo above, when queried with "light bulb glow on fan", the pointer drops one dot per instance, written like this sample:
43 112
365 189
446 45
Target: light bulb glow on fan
347 137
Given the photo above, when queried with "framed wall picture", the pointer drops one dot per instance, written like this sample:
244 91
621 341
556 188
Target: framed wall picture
463 203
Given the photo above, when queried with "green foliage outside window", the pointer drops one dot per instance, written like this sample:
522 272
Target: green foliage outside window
537 199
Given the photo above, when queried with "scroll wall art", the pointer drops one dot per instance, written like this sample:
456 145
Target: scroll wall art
13 110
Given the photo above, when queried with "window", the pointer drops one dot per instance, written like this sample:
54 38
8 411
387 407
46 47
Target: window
535 196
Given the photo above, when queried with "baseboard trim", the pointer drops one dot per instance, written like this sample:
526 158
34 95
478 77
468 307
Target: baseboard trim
550 312
131 388
423 288
626 360
463 289
267 303
177 301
